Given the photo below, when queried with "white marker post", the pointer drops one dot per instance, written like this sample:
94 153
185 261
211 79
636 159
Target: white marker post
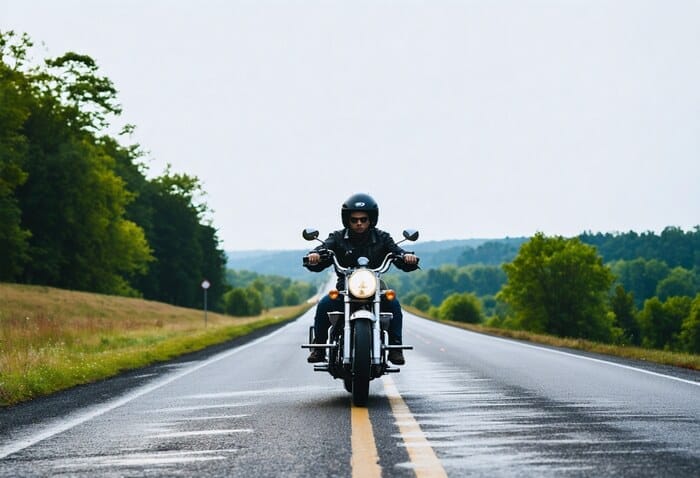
205 286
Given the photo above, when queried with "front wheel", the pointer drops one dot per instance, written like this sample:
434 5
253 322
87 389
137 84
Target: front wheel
361 362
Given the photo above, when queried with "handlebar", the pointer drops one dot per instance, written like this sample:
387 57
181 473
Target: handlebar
326 253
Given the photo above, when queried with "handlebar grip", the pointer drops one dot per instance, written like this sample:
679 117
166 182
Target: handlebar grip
400 258
324 253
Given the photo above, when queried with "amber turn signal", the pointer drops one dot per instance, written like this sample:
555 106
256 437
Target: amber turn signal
333 294
390 294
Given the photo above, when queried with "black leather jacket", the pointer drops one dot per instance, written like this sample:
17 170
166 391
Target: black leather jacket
375 248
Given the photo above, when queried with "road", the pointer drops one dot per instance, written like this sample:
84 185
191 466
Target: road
465 404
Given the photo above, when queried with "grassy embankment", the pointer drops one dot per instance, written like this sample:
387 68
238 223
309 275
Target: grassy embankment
52 339
677 359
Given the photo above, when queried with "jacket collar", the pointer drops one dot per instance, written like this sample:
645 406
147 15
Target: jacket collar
372 233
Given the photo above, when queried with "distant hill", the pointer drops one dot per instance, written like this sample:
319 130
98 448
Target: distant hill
282 263
436 253
287 263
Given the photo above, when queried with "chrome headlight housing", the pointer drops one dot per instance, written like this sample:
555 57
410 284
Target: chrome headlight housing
362 284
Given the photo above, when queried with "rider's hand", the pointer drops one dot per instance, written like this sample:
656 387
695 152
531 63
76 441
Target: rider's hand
410 259
314 258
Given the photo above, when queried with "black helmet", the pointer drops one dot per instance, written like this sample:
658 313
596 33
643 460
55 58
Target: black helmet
360 202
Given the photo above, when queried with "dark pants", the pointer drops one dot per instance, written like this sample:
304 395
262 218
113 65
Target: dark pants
326 304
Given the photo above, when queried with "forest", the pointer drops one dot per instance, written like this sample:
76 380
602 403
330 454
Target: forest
629 289
77 210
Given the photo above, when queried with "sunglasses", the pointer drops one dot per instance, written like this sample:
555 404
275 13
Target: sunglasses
355 220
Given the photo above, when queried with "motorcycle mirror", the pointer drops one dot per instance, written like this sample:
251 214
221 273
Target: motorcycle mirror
310 234
410 234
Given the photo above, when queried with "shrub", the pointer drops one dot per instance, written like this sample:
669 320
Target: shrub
243 302
464 307
421 302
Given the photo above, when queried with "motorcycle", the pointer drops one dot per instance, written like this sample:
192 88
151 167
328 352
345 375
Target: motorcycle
357 347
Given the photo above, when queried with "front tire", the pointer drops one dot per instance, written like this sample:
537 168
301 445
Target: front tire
361 362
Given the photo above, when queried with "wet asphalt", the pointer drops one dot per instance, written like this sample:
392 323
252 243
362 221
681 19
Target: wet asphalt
253 407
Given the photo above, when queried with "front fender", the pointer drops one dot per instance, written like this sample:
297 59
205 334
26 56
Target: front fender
363 314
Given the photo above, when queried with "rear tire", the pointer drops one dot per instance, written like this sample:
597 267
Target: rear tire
361 362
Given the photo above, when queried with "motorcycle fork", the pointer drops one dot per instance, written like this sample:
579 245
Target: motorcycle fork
376 331
346 331
376 358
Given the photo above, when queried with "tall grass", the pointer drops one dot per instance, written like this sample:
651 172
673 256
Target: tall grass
51 339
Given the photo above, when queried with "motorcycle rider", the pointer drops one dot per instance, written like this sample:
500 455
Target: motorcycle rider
359 238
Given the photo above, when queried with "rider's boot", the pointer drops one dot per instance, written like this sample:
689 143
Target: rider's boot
396 355
317 355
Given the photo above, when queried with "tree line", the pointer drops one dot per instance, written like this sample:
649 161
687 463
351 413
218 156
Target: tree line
250 293
76 208
673 246
424 289
565 287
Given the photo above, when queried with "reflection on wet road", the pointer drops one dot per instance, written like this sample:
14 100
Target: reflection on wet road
486 424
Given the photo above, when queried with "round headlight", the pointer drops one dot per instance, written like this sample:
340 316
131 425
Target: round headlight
362 284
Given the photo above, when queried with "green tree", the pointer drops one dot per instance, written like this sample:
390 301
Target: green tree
690 329
14 240
559 286
421 302
74 204
255 301
622 305
278 293
236 302
291 297
76 209
175 276
486 280
640 276
243 302
492 306
464 307
661 321
266 292
439 283
14 111
73 231
678 282
673 247
185 247
162 207
87 101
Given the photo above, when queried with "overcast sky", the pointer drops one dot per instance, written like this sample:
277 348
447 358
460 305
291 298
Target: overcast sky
464 119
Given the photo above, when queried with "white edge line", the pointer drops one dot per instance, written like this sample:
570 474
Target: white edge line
583 357
51 431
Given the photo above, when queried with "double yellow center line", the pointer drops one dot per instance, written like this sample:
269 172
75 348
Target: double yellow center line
365 459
